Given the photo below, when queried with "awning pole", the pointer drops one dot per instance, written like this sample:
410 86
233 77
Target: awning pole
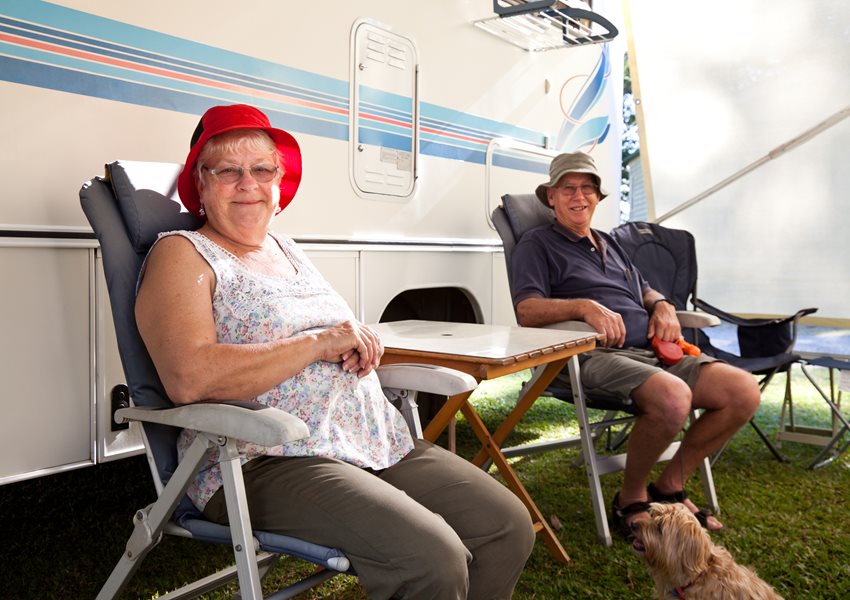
775 153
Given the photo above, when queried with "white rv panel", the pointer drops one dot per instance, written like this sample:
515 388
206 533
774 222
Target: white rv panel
46 398
340 268
386 274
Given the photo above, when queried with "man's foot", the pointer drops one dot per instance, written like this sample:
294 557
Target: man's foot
705 517
622 517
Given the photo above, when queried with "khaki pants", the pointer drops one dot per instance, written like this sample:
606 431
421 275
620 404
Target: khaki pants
609 375
431 526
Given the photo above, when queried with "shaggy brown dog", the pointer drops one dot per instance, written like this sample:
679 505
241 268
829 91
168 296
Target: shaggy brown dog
684 563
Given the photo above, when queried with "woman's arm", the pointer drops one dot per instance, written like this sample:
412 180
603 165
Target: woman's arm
175 318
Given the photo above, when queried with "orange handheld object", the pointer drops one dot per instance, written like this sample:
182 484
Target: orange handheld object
669 353
688 348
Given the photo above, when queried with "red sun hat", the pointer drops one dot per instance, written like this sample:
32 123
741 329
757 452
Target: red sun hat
219 119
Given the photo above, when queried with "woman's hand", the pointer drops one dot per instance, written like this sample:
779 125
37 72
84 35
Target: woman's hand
353 344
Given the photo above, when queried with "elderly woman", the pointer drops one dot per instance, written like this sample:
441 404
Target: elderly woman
234 311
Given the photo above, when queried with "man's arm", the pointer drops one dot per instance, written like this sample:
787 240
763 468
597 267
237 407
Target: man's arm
537 312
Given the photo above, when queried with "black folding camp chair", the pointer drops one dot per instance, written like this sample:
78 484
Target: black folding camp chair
127 210
667 259
518 214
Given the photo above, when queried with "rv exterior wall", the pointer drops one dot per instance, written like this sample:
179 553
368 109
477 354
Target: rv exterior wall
134 90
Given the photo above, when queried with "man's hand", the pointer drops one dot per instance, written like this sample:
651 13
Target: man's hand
606 322
663 323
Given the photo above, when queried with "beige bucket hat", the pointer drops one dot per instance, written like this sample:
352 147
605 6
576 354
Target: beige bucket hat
569 162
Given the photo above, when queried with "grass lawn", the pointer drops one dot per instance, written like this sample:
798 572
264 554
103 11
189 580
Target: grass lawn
61 534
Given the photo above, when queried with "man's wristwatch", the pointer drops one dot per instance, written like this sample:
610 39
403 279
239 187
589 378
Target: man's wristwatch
667 300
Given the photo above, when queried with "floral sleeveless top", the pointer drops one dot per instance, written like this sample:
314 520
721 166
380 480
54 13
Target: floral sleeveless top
349 418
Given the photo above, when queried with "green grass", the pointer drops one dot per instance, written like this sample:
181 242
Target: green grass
61 534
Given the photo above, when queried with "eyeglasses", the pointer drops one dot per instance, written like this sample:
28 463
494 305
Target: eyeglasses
234 173
587 189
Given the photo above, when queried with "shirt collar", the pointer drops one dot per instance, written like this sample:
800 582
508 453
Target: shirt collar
575 238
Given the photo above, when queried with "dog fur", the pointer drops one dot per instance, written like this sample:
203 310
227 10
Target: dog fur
684 563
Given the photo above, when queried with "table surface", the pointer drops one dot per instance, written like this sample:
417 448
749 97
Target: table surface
499 344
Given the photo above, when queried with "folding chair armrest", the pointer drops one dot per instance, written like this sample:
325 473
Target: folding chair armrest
742 322
801 313
246 421
570 326
691 319
425 378
723 315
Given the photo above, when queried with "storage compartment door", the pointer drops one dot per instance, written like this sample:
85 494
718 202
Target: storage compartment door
384 112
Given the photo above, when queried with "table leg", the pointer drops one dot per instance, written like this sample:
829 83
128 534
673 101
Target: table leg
441 420
514 484
534 390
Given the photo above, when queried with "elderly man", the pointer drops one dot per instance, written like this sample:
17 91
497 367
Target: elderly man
569 271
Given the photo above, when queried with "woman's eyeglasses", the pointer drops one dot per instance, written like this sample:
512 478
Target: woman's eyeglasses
234 173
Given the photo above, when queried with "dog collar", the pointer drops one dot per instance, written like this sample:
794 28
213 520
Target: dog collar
679 592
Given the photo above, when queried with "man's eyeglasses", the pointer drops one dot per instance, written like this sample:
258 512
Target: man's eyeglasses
586 189
234 173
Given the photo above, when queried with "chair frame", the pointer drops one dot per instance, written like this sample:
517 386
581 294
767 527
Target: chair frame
829 438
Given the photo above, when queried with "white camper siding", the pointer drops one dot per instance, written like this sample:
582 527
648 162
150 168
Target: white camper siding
46 398
84 83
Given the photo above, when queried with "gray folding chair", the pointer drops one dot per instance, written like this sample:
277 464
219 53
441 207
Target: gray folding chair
127 210
518 214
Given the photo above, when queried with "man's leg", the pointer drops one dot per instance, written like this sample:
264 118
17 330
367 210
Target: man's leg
729 398
665 403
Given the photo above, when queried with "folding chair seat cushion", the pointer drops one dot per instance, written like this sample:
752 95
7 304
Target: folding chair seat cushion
208 531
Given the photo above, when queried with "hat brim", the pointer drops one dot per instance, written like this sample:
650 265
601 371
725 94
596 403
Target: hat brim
286 145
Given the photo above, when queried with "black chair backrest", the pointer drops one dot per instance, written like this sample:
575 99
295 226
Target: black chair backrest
127 210
518 214
665 257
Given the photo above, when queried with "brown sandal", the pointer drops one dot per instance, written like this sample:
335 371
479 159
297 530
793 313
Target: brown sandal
657 495
619 516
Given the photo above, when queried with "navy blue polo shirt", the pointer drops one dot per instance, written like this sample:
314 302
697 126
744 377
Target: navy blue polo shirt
553 262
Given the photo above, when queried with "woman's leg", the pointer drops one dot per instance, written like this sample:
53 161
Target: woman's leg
398 547
492 523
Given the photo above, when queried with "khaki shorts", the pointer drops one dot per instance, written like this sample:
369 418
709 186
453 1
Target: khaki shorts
609 375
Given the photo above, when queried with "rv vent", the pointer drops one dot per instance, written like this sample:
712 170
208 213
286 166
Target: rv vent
537 25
